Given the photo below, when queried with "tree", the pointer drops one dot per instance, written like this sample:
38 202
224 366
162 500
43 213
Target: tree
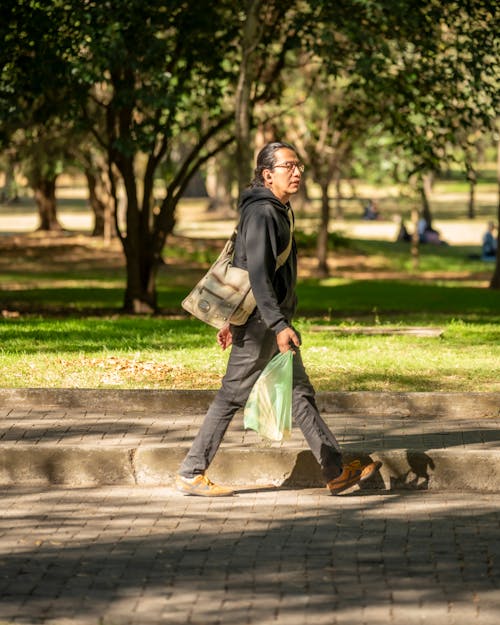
95 169
34 92
159 83
252 32
154 74
42 158
430 68
495 280
138 77
333 119
9 167
219 179
272 34
154 83
471 148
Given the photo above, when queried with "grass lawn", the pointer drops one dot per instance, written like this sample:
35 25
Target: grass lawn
106 352
61 325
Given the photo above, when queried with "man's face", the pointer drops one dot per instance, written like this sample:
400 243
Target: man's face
284 178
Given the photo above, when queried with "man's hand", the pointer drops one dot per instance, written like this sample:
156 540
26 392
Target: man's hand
224 337
286 338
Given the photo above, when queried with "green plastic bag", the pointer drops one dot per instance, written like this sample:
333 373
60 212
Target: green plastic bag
268 410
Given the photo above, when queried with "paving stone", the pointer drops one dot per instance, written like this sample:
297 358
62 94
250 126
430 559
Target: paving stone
148 555
137 553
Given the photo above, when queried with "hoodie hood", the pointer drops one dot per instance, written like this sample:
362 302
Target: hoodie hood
260 194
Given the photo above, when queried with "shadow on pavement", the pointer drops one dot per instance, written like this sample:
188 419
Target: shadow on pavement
267 555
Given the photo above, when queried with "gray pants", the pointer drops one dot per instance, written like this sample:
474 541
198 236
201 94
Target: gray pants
253 347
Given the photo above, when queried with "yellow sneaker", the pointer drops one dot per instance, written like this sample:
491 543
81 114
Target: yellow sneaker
201 486
352 473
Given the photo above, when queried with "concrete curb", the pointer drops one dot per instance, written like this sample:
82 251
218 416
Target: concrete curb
442 405
116 451
467 470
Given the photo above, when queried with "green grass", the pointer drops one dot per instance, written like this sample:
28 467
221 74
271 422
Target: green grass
70 332
391 300
110 352
101 288
126 352
331 298
396 256
465 358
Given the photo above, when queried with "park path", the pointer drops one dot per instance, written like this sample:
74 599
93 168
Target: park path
195 223
148 555
90 536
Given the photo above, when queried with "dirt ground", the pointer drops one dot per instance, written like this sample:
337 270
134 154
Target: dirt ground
38 254
24 250
194 221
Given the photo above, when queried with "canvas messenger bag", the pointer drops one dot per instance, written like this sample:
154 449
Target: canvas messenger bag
224 294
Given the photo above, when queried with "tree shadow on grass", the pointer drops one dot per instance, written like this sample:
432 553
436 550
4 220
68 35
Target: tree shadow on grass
396 296
102 333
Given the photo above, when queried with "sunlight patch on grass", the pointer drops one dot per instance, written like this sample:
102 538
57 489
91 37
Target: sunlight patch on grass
182 354
148 371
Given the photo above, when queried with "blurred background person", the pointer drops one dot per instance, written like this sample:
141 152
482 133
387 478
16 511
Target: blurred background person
490 243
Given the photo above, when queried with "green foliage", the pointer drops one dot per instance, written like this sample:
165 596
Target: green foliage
155 84
156 61
429 70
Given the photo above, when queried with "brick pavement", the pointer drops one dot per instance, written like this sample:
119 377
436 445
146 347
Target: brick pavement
87 447
128 555
134 428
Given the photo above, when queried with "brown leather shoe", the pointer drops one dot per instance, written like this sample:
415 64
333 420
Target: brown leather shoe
201 486
352 473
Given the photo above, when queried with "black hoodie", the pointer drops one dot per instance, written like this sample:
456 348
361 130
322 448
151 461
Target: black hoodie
263 233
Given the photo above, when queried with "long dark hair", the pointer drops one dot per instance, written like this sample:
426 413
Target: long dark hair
266 160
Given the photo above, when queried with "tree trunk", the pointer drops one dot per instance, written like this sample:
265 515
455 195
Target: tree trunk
9 192
301 201
495 280
141 263
96 204
45 197
218 184
322 250
339 213
143 245
250 39
472 178
425 191
140 293
415 240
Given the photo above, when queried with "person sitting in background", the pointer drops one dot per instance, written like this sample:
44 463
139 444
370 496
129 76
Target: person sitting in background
371 211
427 234
490 243
403 234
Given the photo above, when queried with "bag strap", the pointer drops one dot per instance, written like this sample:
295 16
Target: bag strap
283 257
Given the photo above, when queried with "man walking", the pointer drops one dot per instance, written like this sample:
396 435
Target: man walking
264 232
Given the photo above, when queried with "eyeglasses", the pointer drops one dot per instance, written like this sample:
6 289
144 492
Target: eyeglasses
291 165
